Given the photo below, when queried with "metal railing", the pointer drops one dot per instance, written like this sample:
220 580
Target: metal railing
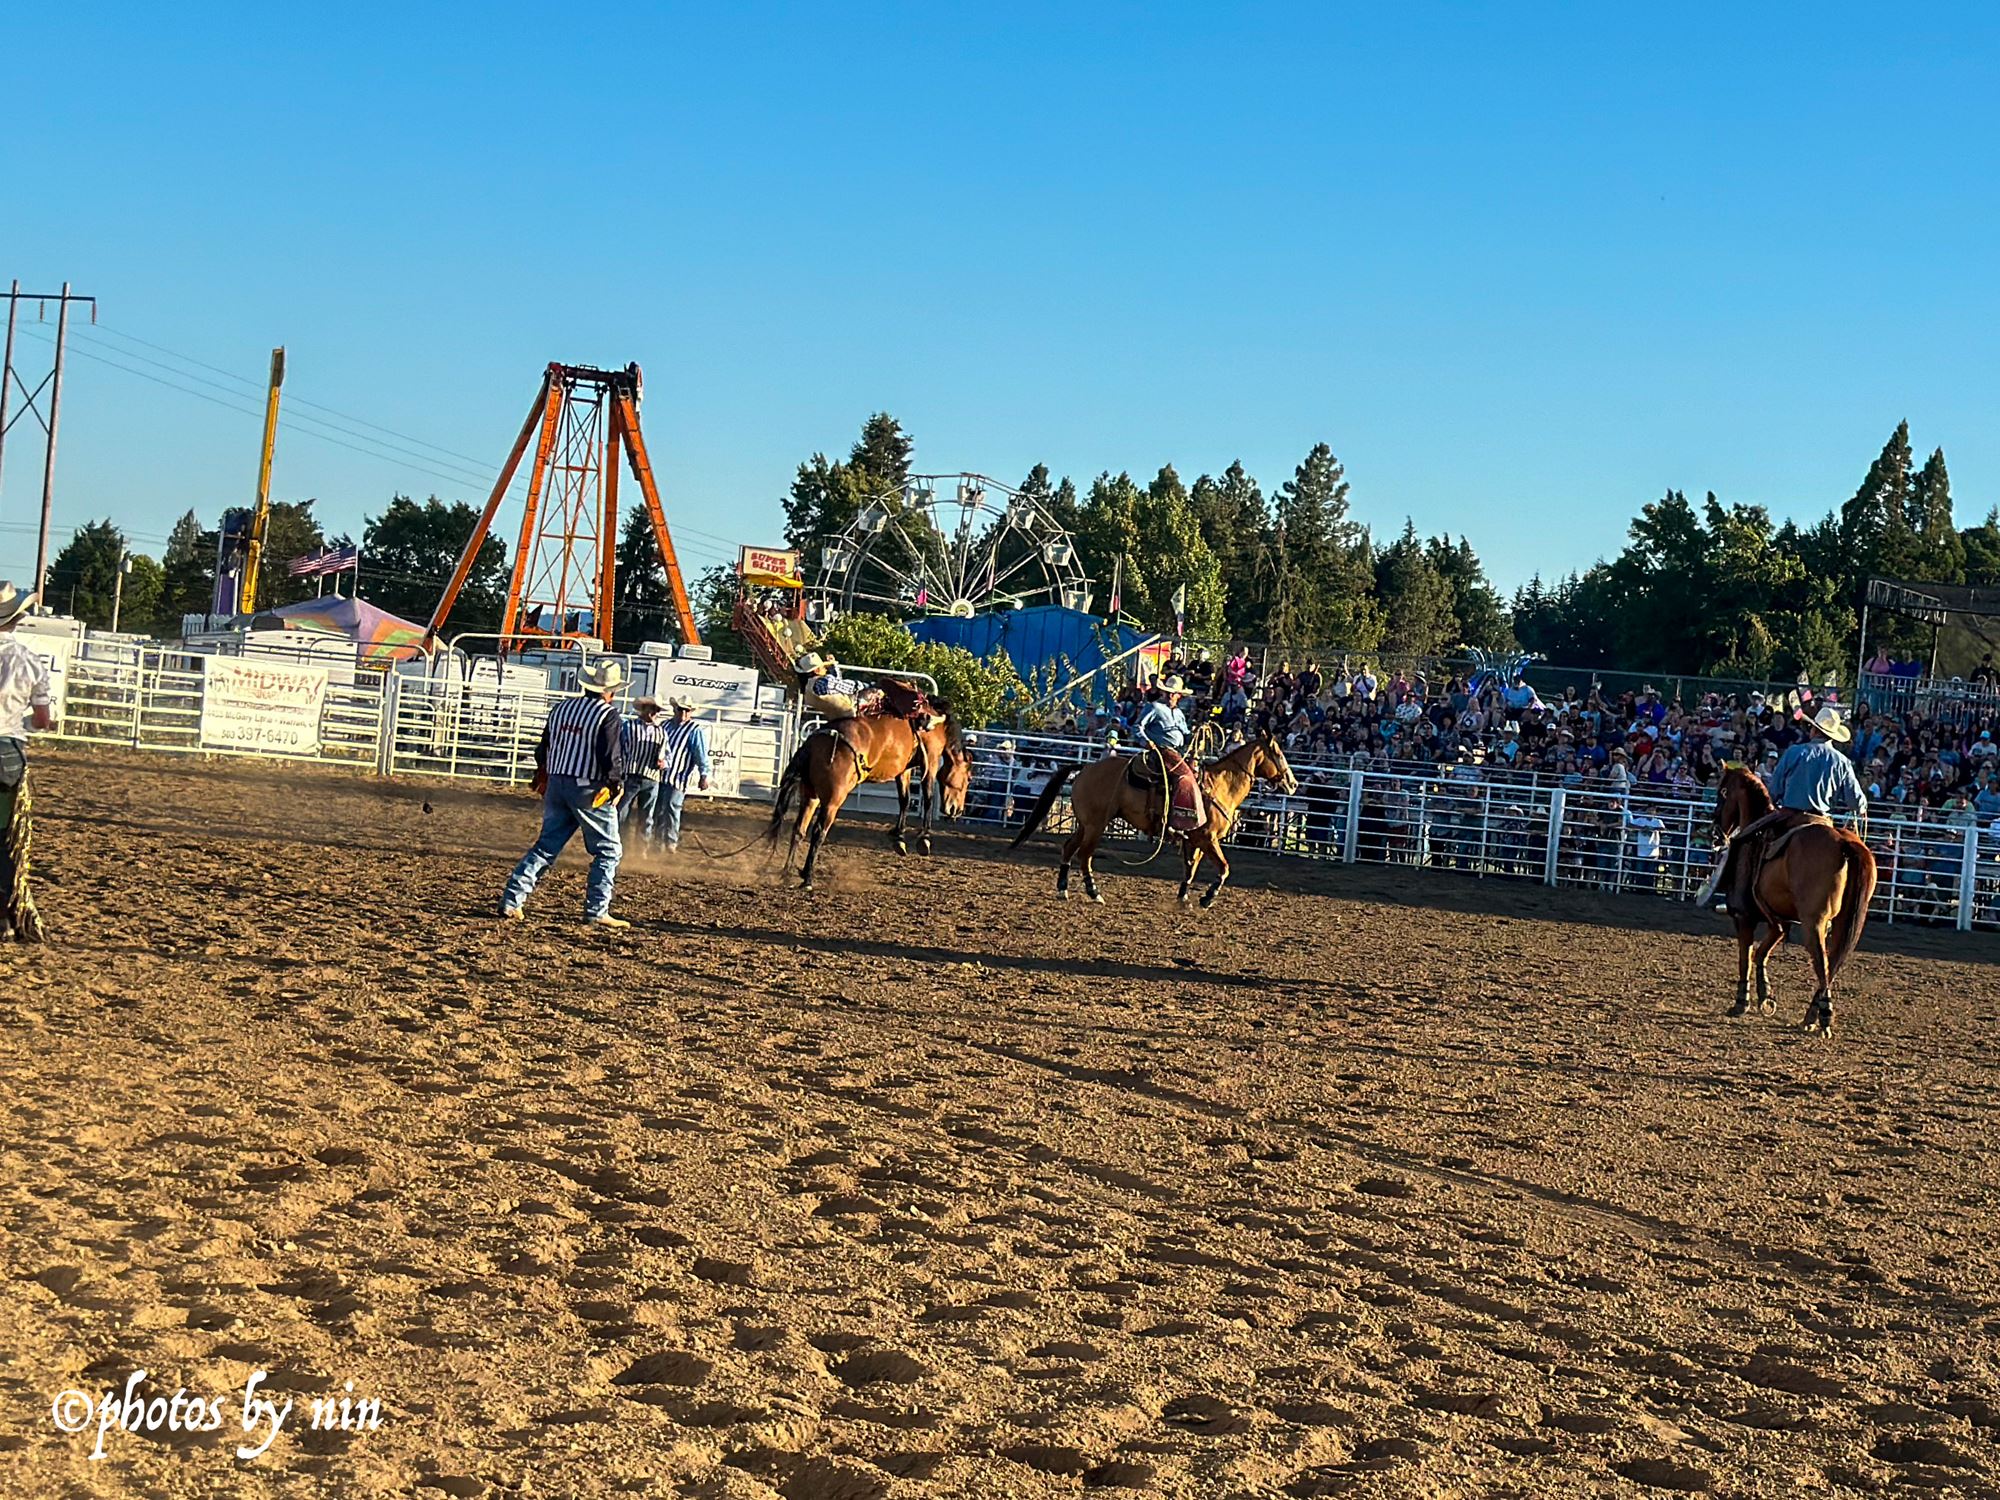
1930 869
396 725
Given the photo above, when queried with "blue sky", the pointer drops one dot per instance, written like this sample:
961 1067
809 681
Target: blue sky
1524 267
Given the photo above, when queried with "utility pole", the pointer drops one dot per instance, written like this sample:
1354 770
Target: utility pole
52 383
118 587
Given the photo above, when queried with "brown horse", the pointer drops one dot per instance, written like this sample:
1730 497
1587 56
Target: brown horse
1824 877
1100 792
871 748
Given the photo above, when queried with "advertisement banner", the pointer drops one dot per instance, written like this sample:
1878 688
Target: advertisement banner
707 684
725 761
766 567
272 708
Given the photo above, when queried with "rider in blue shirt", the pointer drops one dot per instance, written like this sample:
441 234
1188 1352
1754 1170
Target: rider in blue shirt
1161 723
1813 776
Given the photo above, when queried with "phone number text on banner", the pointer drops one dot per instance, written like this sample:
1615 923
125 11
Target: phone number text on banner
272 708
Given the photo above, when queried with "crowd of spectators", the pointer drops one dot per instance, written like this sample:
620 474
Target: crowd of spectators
1940 755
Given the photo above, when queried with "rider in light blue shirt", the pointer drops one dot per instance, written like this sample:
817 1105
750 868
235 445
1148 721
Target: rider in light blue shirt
1161 722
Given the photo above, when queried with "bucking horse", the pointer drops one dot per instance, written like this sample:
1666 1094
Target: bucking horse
926 751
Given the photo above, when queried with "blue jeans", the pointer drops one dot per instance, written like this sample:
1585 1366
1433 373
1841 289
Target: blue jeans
565 810
641 806
671 800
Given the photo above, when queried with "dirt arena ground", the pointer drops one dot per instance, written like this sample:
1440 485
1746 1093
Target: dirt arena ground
1365 1183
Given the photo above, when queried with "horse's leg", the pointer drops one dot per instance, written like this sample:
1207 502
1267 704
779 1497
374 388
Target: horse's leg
1069 848
927 781
1086 853
1774 934
1816 916
902 813
1214 852
1746 927
1190 859
808 807
823 825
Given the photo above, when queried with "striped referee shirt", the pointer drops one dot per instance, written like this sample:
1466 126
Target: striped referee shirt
684 751
581 740
642 747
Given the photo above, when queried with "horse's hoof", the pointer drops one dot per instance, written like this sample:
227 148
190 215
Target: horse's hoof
923 846
1096 898
1740 1008
1209 900
901 847
1062 895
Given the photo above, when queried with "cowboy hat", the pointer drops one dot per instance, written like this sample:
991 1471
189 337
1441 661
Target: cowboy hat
812 661
647 704
681 703
1172 685
1832 723
13 603
600 675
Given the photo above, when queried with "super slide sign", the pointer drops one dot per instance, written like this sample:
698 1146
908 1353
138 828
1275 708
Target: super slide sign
271 708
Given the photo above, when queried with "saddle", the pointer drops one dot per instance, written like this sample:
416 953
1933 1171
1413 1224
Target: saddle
1782 834
1184 808
897 699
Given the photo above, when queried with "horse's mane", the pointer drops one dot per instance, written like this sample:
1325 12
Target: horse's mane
1754 790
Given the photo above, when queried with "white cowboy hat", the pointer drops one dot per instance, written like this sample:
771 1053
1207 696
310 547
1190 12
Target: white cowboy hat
1832 723
1172 685
601 674
812 661
13 603
680 703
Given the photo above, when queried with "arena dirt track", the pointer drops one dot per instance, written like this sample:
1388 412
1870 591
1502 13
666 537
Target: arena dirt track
1366 1182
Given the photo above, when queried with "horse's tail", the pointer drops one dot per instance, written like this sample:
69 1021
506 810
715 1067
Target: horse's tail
1845 934
1042 805
795 772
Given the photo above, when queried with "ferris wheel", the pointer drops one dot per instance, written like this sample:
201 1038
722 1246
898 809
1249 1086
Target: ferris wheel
952 544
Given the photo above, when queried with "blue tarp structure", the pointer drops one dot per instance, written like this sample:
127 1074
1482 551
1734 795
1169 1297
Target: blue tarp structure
1034 638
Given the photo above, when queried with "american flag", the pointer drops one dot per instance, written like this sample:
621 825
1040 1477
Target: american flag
326 560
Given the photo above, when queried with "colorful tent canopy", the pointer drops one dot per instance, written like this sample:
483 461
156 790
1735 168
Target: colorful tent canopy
380 638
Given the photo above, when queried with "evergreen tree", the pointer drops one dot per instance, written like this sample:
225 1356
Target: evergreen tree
880 460
408 553
1981 545
188 567
141 612
1236 522
84 574
1477 612
1108 530
822 502
1875 533
1172 555
290 531
1937 552
1416 598
643 609
1322 591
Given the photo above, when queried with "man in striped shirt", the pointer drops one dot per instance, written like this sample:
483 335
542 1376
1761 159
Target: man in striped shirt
579 770
683 759
642 740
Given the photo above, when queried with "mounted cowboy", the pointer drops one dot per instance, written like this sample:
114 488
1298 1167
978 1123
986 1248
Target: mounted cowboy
1812 779
1164 727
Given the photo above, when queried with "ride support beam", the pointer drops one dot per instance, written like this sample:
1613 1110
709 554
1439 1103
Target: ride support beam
552 406
642 471
485 523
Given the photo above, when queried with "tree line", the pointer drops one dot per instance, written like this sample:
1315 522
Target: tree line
1293 567
1707 588
1719 589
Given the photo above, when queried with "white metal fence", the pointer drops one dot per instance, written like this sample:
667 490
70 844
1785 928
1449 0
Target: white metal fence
157 699
1931 869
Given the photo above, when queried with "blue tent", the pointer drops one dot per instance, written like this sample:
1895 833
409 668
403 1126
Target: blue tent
1034 639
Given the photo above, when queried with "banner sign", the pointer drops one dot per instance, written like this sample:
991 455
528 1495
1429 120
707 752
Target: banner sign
707 684
767 568
725 761
272 708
